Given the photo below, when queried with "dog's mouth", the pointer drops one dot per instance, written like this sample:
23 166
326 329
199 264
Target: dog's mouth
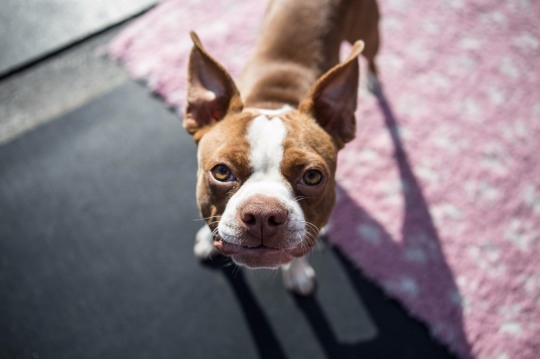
260 256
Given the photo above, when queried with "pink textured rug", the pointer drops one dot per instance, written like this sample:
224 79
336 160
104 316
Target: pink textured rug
439 195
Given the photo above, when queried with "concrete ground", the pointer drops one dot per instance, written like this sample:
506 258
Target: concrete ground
97 220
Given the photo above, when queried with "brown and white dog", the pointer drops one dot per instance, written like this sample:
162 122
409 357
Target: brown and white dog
267 158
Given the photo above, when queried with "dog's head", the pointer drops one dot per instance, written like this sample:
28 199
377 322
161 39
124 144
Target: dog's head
266 177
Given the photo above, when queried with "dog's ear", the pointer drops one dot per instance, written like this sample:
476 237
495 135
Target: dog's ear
211 92
332 100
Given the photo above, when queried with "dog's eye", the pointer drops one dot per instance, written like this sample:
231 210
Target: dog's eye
312 177
222 173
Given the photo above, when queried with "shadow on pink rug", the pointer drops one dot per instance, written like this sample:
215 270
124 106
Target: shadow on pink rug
439 195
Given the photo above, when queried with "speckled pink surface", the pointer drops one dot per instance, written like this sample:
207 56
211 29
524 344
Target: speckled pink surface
439 195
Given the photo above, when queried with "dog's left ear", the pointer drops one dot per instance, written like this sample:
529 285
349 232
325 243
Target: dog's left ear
211 92
333 98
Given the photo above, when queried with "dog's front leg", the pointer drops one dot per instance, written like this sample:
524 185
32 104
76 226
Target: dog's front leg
299 276
204 244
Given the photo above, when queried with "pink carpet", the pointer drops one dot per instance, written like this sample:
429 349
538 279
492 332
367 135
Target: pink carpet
439 195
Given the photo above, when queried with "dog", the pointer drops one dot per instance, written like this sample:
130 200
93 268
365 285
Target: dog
267 149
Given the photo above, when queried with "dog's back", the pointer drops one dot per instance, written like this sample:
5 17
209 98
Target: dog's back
289 58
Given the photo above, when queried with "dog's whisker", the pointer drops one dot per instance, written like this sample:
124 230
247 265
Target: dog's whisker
205 218
215 234
312 227
235 270
300 198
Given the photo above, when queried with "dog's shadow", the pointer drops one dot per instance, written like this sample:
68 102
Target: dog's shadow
393 325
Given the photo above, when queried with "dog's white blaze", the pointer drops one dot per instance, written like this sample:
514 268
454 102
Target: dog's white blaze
266 138
270 113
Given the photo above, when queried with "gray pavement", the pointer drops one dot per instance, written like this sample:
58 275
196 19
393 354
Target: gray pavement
56 85
30 30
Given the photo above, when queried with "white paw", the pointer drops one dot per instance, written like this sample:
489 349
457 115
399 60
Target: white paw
299 277
324 231
204 248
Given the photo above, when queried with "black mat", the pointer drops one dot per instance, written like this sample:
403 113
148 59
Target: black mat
97 220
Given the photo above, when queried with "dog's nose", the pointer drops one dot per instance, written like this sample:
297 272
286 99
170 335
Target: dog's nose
263 217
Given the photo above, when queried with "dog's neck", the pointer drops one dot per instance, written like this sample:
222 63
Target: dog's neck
286 63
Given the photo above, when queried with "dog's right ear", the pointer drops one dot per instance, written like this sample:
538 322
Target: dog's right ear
211 92
332 99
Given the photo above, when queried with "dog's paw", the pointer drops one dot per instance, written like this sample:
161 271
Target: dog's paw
299 277
323 233
204 248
